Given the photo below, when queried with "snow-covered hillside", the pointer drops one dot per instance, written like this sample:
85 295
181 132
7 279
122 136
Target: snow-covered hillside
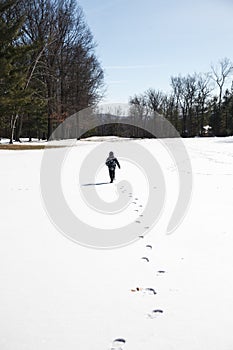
164 292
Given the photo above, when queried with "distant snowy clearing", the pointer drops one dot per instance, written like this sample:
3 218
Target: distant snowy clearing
24 144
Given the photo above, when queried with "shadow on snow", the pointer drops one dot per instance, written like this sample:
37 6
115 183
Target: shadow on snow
96 184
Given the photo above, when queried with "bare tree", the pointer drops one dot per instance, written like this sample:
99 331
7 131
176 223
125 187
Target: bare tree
185 91
155 100
171 109
205 88
67 69
220 73
138 111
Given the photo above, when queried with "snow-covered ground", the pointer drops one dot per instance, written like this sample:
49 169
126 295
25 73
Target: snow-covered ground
23 141
58 295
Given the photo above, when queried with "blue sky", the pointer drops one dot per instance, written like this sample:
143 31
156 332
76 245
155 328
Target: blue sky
141 44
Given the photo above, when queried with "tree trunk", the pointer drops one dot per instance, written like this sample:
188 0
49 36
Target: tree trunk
13 124
19 131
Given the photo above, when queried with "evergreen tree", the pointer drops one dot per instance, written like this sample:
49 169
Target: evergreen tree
14 57
8 33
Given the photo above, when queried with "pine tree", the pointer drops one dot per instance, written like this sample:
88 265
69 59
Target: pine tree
16 94
8 32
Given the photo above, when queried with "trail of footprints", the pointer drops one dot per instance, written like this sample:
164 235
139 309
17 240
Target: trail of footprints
150 291
119 343
138 209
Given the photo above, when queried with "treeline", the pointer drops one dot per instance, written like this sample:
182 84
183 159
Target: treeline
49 69
195 102
198 105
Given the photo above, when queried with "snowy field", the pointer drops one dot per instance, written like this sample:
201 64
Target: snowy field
58 295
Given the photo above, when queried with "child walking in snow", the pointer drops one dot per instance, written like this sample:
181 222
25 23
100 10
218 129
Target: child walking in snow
111 163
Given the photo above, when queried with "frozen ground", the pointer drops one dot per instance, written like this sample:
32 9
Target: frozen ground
58 295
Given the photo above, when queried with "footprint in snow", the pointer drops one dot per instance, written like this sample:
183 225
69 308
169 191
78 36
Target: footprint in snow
138 222
150 291
161 271
118 343
141 236
148 246
155 313
137 289
145 259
